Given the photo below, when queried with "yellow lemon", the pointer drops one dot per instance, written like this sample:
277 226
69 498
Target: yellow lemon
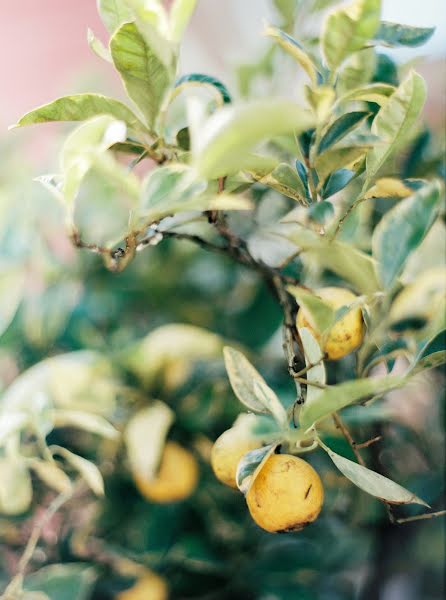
148 587
227 452
176 478
286 495
347 334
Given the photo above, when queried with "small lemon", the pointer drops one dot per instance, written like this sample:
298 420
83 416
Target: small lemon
176 478
347 334
286 495
227 453
148 587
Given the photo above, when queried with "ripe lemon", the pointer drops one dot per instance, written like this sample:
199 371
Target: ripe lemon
176 478
148 587
286 495
227 452
347 334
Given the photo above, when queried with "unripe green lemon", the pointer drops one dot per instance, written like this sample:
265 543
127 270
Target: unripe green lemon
286 495
148 587
227 452
176 478
347 334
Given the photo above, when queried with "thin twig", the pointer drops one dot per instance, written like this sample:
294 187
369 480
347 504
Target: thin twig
346 433
432 515
368 443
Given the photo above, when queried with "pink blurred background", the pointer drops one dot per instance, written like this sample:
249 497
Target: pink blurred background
44 51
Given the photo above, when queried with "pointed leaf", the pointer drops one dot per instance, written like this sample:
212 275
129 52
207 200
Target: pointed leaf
393 35
243 377
338 396
340 128
402 230
250 466
294 49
395 121
339 158
431 361
348 28
113 13
145 437
86 421
144 75
51 475
375 92
285 180
270 401
319 312
336 182
98 47
180 15
203 80
373 483
313 356
81 107
321 212
234 130
87 470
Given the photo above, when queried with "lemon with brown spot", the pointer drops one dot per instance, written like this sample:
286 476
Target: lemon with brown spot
149 586
227 452
176 478
347 334
286 495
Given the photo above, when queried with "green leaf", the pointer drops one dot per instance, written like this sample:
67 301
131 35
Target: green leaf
402 230
203 80
393 35
373 483
145 451
145 77
250 466
395 121
269 399
313 356
287 9
113 13
339 158
98 47
233 130
81 107
243 378
86 421
63 581
51 475
294 49
375 92
338 396
336 182
349 263
321 212
12 282
285 180
357 71
348 29
431 361
320 313
340 128
180 15
87 469
15 489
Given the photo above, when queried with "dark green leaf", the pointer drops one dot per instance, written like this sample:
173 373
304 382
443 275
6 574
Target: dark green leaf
302 172
402 230
340 128
321 212
285 180
386 70
394 35
205 80
63 581
336 182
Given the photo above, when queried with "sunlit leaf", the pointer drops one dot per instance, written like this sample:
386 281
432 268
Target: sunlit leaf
285 180
339 158
320 314
313 356
294 49
375 92
180 13
250 466
402 230
144 75
373 483
389 187
145 436
395 121
98 47
15 487
86 421
357 71
348 28
81 107
234 130
51 475
113 13
87 469
431 361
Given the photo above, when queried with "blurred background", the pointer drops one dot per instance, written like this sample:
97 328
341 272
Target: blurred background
206 547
